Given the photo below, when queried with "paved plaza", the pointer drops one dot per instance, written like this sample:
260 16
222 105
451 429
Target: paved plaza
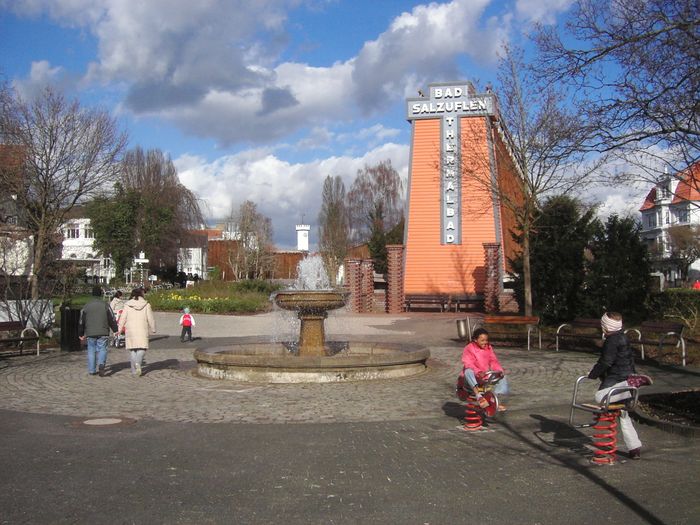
194 450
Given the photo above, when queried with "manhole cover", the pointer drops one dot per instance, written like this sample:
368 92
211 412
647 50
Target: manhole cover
103 421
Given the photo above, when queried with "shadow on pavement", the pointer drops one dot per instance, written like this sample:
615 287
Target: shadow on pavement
573 462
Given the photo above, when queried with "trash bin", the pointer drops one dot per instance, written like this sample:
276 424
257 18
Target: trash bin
462 330
70 319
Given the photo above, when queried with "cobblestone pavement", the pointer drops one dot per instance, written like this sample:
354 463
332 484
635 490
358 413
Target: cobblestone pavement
193 450
57 383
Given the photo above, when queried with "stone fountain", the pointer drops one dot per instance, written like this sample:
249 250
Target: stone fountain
311 358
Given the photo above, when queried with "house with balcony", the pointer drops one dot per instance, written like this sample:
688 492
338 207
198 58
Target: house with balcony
78 246
671 208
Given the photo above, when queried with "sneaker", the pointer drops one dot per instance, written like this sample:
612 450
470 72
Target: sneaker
636 453
101 370
138 369
502 408
483 403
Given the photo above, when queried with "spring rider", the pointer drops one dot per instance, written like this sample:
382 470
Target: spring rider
474 414
606 415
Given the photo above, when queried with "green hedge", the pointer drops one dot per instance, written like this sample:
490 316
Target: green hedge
681 304
216 297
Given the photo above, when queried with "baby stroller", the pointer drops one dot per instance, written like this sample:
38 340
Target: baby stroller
119 340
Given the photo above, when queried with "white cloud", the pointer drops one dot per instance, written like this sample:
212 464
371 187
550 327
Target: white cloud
425 41
212 67
544 11
41 74
283 191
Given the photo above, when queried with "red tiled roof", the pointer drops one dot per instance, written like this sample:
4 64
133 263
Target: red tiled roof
688 188
211 233
649 201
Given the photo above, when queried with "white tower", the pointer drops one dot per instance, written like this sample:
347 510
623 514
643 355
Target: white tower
303 237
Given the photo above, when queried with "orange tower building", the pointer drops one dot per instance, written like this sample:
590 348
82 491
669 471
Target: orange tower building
461 177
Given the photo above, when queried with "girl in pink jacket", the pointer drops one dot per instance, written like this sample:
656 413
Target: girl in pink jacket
478 357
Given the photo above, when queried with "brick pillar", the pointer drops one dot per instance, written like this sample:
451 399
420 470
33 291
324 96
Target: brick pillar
492 286
353 284
394 279
367 286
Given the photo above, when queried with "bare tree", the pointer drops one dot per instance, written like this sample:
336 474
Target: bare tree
376 191
333 223
166 210
635 67
253 258
68 153
545 140
684 242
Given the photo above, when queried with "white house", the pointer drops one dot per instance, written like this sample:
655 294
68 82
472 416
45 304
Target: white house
674 201
79 246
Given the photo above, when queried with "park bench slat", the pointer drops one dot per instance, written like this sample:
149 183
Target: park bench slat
7 327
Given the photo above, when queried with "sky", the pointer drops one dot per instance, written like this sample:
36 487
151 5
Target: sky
262 99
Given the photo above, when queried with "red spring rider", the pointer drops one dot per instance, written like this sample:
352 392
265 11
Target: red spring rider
483 402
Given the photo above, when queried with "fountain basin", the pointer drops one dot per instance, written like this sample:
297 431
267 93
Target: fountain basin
311 301
273 363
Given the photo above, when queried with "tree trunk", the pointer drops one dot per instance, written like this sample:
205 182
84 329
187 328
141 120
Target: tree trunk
527 277
36 264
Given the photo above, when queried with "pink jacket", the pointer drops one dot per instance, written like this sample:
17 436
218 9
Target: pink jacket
480 359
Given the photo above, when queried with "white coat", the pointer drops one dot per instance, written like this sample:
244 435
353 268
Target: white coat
137 320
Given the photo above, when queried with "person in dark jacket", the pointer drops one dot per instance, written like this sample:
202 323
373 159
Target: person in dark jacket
96 320
615 365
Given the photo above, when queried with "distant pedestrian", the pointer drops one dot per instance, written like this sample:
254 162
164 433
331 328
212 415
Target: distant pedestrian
187 322
96 320
696 285
137 321
615 365
117 302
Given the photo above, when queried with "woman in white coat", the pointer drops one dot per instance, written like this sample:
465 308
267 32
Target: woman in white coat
137 321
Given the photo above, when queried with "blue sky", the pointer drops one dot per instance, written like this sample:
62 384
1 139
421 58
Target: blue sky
261 99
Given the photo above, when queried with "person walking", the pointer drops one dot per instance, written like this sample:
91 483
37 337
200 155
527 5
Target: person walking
117 303
187 322
137 321
96 320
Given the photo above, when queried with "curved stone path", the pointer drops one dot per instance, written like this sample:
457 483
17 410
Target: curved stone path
169 390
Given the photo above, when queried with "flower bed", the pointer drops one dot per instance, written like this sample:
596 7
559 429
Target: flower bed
216 297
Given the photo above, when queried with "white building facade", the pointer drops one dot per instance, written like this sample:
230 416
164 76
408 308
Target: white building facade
674 202
79 246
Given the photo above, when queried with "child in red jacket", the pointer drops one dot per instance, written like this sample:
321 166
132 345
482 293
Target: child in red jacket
478 357
187 322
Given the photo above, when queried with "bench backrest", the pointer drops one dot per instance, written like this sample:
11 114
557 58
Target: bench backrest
584 322
11 326
511 319
661 327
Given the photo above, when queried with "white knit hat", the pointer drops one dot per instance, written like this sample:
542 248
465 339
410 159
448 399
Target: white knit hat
610 325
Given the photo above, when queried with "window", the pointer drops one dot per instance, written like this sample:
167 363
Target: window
682 215
668 218
89 234
651 220
72 231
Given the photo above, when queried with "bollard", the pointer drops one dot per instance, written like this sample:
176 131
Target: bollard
462 329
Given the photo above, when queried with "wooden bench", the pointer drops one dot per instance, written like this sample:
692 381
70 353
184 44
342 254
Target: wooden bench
14 327
579 328
660 333
411 300
511 326
473 302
